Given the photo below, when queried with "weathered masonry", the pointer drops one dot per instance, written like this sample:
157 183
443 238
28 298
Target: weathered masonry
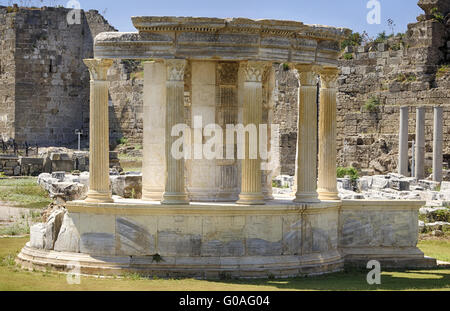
209 218
44 85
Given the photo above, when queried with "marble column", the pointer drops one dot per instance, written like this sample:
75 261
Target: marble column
327 135
307 136
438 144
154 158
175 190
99 187
202 177
251 189
403 158
420 143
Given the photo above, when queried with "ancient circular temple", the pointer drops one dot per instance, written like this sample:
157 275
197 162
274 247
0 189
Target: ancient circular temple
210 217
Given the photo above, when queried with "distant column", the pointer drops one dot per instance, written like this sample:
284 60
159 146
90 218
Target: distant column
99 191
438 144
420 143
403 158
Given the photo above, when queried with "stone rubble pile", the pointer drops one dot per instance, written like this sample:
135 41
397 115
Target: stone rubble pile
394 187
435 216
64 187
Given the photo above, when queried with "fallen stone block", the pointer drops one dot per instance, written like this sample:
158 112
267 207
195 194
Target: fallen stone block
69 237
60 176
399 185
345 183
37 233
429 185
62 165
44 235
68 191
84 178
364 183
128 186
380 182
445 186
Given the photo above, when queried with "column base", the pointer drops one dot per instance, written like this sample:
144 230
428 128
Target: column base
99 197
251 199
329 196
175 199
152 195
312 197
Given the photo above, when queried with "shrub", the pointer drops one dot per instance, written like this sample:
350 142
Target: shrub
354 39
401 77
348 171
437 16
411 78
442 215
396 47
382 37
286 67
348 56
443 70
122 141
372 104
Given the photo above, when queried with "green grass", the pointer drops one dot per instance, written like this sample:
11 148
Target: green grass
130 164
15 230
14 279
23 193
439 249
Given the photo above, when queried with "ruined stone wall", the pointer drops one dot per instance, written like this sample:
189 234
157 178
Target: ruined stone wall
405 70
51 83
285 114
126 101
377 81
7 74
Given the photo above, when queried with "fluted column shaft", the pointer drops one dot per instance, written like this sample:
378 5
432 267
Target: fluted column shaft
307 136
251 189
175 191
327 136
403 157
99 190
438 144
420 143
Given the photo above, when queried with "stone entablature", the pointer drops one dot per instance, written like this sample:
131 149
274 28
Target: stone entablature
227 39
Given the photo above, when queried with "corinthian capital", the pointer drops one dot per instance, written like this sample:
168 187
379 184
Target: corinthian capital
98 68
307 74
329 77
175 69
255 71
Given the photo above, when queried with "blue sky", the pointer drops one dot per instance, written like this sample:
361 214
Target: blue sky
342 13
